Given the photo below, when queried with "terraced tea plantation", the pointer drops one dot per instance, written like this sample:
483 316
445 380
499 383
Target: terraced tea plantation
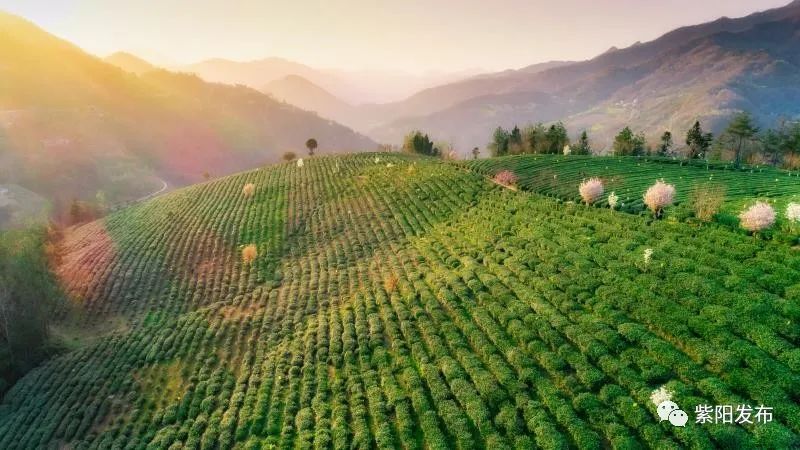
629 177
403 303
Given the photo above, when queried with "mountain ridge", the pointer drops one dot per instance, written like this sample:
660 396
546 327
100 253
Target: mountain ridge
589 90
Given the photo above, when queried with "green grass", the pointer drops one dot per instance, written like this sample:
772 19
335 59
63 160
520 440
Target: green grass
629 177
515 321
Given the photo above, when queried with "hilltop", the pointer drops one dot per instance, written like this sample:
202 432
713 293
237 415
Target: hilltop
75 126
394 301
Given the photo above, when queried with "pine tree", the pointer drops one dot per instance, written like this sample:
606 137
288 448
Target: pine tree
741 130
626 143
773 144
665 147
500 142
556 138
583 147
534 138
698 141
515 141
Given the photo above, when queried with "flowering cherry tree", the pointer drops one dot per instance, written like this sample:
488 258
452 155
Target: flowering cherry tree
758 217
591 190
659 196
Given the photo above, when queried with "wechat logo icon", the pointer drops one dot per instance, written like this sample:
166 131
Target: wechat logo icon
669 410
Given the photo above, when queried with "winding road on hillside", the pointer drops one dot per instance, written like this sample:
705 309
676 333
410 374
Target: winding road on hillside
153 194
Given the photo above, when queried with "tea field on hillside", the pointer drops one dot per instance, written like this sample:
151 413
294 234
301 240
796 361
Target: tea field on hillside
394 302
629 177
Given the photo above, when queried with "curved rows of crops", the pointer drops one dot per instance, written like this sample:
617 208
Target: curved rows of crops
402 303
629 178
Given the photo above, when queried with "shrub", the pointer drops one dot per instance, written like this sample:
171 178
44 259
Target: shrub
390 283
648 255
793 212
791 162
506 178
659 395
249 189
249 253
659 196
591 190
706 201
757 217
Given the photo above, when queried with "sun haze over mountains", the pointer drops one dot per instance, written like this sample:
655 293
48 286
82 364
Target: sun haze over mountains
122 127
75 125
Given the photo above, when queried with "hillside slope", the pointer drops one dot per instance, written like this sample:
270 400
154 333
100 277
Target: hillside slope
405 303
701 72
300 92
72 125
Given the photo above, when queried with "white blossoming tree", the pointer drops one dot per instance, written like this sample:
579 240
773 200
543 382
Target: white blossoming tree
758 217
591 190
659 196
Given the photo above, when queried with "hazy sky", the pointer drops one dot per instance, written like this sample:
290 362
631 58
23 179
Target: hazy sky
416 35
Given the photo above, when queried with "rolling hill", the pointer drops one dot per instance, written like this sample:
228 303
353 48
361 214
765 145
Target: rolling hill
701 72
401 302
75 126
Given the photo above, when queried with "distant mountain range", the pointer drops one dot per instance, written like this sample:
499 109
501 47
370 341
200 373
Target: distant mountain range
301 92
352 86
75 126
703 72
